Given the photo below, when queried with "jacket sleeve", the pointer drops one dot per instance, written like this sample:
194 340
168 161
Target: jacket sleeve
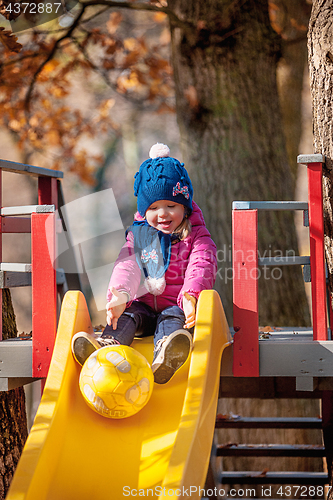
201 270
126 274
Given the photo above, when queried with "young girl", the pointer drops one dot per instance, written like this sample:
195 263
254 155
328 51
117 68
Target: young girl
167 260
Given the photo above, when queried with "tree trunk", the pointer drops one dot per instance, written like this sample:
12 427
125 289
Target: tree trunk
320 47
13 421
224 57
291 21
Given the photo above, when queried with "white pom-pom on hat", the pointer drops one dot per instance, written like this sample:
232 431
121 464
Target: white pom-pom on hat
159 150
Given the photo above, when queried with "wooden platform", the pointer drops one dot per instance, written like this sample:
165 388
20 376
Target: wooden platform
15 363
291 365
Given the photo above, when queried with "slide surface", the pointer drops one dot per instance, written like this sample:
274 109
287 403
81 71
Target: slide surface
73 453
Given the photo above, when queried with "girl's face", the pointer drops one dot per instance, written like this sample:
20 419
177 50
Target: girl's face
165 215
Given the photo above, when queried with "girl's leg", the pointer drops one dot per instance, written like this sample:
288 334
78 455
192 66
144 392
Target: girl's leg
136 319
172 344
168 321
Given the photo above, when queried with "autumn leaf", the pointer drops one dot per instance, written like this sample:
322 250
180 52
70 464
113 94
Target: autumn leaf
201 25
113 22
51 66
105 107
265 329
165 37
191 95
268 329
9 40
52 137
297 25
160 17
229 416
164 108
263 473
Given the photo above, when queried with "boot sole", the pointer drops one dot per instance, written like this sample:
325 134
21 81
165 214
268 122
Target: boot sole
175 355
82 348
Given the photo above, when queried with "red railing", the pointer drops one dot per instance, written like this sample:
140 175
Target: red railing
43 254
245 272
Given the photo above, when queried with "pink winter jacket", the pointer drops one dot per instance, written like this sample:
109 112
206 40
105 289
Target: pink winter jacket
192 268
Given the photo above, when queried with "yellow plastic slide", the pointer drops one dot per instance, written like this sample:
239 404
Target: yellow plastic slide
73 453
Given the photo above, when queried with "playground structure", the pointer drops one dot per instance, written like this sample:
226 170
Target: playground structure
26 360
174 454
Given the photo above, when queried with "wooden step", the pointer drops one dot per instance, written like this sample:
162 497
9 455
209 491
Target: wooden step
27 210
12 279
268 423
253 477
269 450
284 261
270 205
17 275
15 267
22 168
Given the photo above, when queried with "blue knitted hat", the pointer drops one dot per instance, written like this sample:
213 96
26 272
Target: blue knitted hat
162 178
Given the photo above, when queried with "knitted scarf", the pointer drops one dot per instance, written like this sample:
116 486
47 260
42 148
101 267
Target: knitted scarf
152 250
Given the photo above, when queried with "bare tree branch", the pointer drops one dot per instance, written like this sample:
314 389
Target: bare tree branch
141 6
50 56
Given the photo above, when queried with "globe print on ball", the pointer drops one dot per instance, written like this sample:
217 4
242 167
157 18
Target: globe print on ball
116 381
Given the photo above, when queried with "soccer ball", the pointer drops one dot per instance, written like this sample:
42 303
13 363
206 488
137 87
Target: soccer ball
116 381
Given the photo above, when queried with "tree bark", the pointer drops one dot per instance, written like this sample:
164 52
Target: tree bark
13 421
224 57
320 48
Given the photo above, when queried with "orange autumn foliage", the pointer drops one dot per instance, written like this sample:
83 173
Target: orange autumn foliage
37 83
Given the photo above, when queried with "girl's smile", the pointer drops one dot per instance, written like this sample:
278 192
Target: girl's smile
165 215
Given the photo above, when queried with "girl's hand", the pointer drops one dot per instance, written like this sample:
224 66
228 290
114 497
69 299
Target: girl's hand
189 305
116 307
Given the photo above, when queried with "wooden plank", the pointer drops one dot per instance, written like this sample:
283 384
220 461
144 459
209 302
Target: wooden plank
16 225
27 210
15 358
269 205
313 158
15 267
9 279
270 450
245 293
47 191
8 384
21 168
269 423
44 291
254 477
294 358
317 256
269 388
295 260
